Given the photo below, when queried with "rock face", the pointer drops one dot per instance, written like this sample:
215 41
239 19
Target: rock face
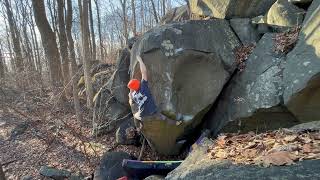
111 102
252 100
302 70
275 90
198 166
188 64
176 15
111 166
245 30
227 9
283 13
120 78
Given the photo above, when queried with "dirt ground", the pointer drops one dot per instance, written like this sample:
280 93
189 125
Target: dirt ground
35 131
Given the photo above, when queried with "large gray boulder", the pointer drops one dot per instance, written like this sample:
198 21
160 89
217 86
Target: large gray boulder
302 70
285 14
245 30
111 106
230 8
304 170
253 98
120 78
188 64
281 17
177 14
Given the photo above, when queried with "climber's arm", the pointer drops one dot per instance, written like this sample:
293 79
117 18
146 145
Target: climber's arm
143 68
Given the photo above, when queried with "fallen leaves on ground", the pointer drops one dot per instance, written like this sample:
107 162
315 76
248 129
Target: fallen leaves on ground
242 53
271 148
54 137
285 41
277 158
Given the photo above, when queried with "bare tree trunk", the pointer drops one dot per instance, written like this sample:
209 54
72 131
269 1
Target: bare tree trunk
133 7
15 36
2 65
63 46
99 30
125 21
73 61
12 63
163 7
36 47
86 53
48 41
2 175
154 11
53 14
93 39
142 14
28 50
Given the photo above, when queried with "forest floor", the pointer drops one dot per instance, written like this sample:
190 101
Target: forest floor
34 131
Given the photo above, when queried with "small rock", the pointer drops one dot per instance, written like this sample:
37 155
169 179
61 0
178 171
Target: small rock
111 166
126 134
27 178
154 177
74 177
54 173
300 1
19 129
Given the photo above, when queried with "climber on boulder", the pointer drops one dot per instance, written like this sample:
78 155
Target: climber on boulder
141 99
140 94
148 118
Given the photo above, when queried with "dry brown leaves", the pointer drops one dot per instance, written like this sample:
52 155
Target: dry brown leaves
242 53
284 42
272 148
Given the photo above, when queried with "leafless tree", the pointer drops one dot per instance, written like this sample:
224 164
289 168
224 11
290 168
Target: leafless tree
2 65
125 19
134 21
93 39
63 45
155 14
99 31
72 56
86 53
15 36
48 41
